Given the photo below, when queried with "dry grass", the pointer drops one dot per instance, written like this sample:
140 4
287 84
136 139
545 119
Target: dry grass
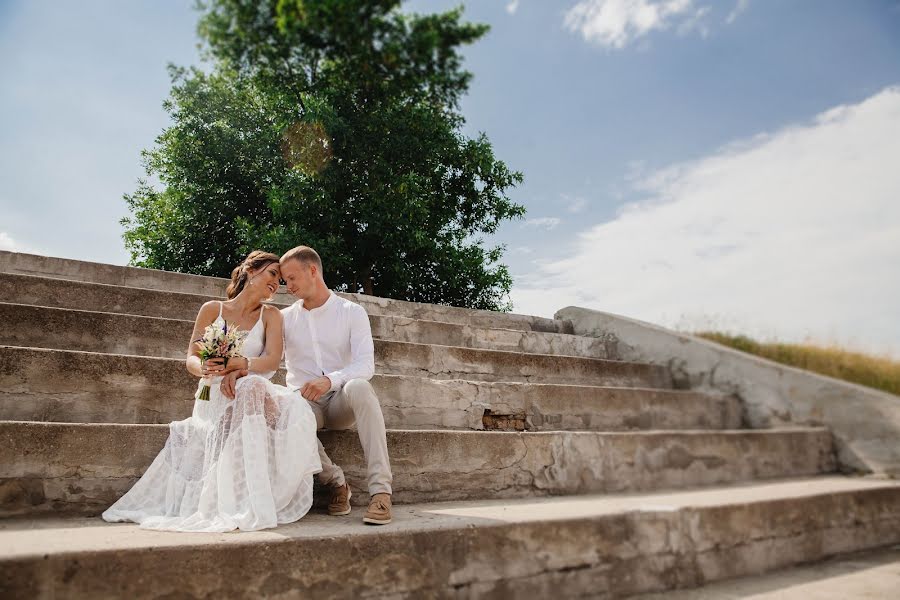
879 372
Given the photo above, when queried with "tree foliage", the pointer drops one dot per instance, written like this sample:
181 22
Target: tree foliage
336 124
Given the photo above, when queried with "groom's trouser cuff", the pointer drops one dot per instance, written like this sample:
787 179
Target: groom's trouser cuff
331 474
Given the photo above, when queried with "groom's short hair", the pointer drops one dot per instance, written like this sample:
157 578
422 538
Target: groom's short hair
304 254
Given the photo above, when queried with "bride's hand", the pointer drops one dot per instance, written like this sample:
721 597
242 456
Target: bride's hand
212 367
236 363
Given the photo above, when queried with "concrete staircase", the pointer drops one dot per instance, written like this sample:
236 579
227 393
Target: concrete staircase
527 460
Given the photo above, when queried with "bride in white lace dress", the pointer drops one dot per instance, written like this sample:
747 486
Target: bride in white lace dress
245 458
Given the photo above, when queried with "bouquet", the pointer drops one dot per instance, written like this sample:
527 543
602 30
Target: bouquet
218 342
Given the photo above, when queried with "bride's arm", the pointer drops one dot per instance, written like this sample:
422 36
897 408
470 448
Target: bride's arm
208 313
271 356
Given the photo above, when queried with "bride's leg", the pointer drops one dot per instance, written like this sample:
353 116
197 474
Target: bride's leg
253 392
273 412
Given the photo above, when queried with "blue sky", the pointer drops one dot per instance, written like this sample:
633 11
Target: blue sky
687 162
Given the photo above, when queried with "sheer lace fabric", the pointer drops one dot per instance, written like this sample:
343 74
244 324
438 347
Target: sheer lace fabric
246 463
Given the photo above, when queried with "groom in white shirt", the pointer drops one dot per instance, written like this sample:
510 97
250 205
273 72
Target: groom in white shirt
330 357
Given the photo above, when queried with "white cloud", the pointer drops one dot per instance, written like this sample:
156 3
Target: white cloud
543 222
790 234
512 6
616 23
10 244
696 22
522 250
576 204
739 8
7 243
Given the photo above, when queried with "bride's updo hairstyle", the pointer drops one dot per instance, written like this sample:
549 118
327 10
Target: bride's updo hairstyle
255 261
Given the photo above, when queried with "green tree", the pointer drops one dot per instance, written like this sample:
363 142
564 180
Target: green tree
333 123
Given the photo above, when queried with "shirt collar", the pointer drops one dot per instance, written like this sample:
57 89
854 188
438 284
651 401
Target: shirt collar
331 297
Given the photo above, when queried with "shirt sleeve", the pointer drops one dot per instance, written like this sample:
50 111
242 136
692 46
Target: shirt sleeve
362 351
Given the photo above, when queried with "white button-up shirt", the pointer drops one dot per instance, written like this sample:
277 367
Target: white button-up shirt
334 340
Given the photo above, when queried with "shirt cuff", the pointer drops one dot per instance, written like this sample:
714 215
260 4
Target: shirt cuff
335 377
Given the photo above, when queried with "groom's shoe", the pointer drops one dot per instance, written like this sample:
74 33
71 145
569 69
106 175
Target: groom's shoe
340 501
379 512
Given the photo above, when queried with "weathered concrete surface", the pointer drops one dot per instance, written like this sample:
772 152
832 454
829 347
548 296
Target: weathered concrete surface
601 546
86 387
546 407
453 362
865 422
452 314
75 270
101 297
85 467
872 575
94 297
78 270
67 329
404 329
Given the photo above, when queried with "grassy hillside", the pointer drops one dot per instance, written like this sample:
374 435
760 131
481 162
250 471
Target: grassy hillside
873 371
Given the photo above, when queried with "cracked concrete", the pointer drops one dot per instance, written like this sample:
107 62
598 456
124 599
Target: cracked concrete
865 422
213 287
600 546
104 460
55 385
66 329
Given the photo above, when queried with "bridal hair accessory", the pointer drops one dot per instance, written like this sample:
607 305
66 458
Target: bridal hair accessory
218 342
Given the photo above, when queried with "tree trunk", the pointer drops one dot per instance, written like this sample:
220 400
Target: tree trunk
368 284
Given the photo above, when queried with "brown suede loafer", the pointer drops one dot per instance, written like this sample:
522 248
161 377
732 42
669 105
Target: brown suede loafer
340 501
379 512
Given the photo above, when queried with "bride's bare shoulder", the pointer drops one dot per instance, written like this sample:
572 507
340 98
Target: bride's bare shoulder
209 311
271 315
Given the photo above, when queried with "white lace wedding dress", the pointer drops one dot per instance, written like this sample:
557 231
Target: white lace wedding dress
245 464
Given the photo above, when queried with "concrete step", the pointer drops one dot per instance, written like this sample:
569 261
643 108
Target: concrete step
67 329
85 387
872 574
83 468
602 546
213 287
42 291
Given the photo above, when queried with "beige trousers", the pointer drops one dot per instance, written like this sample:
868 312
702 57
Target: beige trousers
355 403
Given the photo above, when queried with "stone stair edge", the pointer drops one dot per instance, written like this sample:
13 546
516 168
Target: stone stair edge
801 429
35 388
795 488
388 341
222 282
531 384
281 306
668 542
92 312
82 468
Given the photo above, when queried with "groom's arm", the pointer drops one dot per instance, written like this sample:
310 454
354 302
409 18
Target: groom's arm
362 351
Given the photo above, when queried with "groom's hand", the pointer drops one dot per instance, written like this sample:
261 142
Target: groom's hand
315 389
229 382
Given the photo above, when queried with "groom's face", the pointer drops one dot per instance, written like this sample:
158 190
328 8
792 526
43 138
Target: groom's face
298 277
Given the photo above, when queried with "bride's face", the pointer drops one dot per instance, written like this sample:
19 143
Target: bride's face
266 280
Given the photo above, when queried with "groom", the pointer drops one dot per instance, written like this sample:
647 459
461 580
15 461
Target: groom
330 357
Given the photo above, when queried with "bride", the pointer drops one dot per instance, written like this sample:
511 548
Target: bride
245 458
